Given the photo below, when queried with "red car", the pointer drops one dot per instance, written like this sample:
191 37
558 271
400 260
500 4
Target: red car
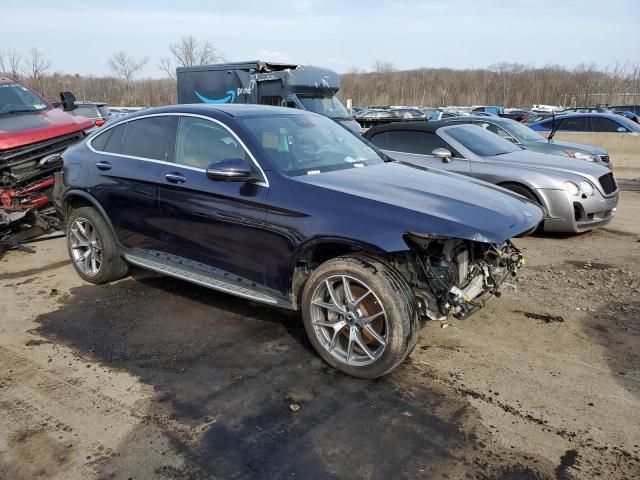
33 134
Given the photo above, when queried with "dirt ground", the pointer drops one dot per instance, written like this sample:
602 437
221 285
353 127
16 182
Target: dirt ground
151 377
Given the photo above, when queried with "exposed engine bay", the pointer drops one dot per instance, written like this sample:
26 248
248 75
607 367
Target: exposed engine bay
455 276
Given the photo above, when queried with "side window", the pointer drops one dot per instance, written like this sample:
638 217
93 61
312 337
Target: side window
201 143
380 140
421 143
148 137
548 124
109 141
604 125
577 124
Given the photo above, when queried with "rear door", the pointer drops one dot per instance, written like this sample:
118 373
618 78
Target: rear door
125 169
216 223
417 147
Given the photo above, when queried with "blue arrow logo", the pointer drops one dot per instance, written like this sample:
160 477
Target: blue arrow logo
231 96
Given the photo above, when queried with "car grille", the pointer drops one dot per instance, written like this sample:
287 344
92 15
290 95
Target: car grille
608 183
604 158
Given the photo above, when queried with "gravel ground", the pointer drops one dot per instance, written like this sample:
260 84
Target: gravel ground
151 377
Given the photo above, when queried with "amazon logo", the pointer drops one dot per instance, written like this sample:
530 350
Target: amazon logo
228 98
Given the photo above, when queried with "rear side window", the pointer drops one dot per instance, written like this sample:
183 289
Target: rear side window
604 125
148 137
421 143
110 141
380 140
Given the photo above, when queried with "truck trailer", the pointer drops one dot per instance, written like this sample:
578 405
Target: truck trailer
280 84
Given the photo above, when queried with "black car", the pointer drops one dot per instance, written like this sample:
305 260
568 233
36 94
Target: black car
288 208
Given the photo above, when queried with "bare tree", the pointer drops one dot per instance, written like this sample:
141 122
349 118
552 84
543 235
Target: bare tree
36 66
189 52
125 67
10 62
166 65
382 67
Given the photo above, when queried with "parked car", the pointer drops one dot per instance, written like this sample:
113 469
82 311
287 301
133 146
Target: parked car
288 208
520 115
587 122
98 112
576 195
625 108
523 136
408 113
493 109
375 113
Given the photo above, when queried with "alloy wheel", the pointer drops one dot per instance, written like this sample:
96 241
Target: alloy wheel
86 248
349 320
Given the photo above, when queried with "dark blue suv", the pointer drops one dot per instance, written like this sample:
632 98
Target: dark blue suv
288 208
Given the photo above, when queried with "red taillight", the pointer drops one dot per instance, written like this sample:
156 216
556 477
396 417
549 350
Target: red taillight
99 123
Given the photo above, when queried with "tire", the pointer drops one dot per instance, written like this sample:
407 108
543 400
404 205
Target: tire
386 312
529 195
86 225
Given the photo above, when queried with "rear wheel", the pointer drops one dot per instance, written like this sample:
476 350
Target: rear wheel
93 248
359 315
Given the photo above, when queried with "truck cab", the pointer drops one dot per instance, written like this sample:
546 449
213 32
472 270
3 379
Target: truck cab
279 84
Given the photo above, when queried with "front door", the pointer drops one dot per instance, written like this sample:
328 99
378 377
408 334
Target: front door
219 224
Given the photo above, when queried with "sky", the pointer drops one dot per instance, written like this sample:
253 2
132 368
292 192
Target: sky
79 37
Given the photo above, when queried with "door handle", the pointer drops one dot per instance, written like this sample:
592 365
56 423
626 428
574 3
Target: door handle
175 177
103 165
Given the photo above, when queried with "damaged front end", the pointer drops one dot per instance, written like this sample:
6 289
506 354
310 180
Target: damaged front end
456 276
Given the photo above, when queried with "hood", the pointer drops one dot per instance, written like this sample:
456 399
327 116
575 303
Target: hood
578 147
430 201
27 128
543 162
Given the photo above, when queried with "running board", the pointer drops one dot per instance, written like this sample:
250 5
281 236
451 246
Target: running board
206 280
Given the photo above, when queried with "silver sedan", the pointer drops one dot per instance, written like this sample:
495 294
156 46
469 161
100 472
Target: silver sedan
576 195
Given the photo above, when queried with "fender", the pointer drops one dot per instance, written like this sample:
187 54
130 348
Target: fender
74 192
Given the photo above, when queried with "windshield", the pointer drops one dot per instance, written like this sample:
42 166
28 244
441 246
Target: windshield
327 106
522 132
15 97
309 144
480 141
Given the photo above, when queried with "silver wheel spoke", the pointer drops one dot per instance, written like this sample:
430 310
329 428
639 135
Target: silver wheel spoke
328 306
352 341
369 329
82 229
94 266
348 295
79 241
87 260
339 325
334 299
367 320
361 298
363 346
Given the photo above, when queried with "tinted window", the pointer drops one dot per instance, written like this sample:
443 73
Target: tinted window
578 124
604 125
110 141
481 142
201 143
422 143
148 138
380 140
272 100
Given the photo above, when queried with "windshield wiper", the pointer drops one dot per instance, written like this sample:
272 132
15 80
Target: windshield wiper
10 112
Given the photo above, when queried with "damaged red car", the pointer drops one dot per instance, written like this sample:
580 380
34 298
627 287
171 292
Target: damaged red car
33 134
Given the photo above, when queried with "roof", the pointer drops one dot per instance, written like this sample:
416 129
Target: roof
414 125
233 109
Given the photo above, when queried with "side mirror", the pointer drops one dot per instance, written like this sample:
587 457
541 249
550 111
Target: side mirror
232 170
68 101
443 153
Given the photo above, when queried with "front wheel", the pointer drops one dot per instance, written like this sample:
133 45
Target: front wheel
359 314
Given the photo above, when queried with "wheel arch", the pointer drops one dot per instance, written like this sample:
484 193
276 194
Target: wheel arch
308 255
79 198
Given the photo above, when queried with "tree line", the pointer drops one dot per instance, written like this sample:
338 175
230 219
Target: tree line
507 84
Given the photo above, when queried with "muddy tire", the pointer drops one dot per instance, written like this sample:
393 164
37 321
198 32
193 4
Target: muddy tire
93 248
359 314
